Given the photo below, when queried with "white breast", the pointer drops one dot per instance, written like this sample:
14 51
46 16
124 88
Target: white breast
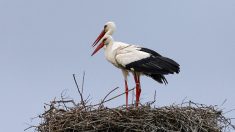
111 51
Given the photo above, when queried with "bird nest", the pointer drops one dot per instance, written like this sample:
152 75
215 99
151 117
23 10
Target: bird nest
186 117
67 116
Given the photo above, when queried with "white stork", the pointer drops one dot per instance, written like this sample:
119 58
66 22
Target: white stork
134 59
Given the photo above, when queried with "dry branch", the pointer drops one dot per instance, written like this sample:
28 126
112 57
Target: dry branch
186 117
60 116
80 93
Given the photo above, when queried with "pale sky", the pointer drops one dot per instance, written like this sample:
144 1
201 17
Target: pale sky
42 43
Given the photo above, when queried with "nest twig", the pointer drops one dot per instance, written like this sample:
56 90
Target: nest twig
189 117
67 116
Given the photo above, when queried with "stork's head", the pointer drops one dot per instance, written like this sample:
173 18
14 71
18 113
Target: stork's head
109 28
107 39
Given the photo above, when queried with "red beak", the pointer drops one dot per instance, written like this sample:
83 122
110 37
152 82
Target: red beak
98 38
98 48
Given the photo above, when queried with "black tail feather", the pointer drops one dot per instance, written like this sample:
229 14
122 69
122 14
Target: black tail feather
158 77
170 65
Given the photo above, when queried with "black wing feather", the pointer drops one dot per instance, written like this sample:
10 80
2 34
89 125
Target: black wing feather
152 52
155 64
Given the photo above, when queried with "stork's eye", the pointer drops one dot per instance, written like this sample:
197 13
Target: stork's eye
105 39
105 26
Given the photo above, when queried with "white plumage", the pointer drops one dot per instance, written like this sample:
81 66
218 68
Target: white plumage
129 54
135 59
120 54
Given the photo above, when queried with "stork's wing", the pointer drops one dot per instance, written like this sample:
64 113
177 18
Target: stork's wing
145 60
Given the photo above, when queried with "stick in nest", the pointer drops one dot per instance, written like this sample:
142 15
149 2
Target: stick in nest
80 93
183 117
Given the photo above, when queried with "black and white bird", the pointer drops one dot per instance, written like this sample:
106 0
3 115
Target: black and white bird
134 59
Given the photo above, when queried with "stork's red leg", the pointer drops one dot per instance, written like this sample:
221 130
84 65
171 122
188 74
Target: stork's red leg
135 77
138 90
126 91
